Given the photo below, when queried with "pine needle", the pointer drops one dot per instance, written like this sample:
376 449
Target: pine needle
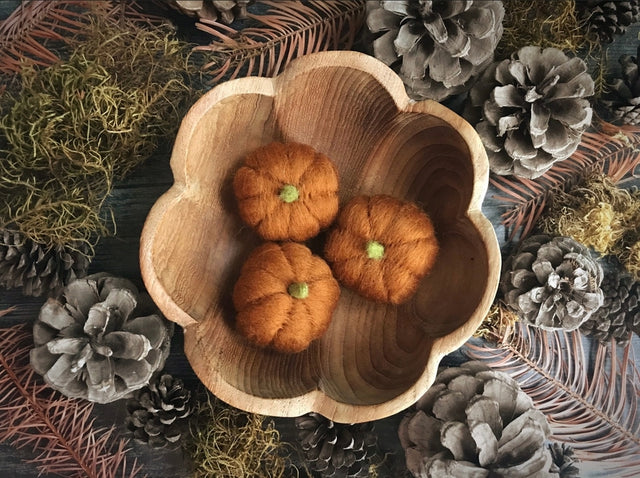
57 430
591 400
286 30
605 148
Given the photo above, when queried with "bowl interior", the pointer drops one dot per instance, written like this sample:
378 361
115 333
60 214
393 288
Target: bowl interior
371 352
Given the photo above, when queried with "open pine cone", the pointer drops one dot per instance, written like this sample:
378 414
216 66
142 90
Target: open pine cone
38 269
100 340
476 423
564 461
623 101
158 413
606 18
336 450
553 283
531 110
225 11
619 314
437 47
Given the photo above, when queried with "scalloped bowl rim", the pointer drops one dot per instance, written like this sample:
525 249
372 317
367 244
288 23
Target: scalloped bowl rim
316 400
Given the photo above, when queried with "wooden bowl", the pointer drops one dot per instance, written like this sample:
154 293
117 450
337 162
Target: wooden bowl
375 360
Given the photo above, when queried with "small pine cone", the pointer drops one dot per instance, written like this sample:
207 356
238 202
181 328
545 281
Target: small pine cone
623 100
553 283
336 450
437 47
100 340
475 422
563 461
531 110
38 269
159 412
606 18
619 314
225 11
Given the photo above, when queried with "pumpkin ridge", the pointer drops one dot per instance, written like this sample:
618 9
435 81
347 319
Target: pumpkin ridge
271 273
267 176
311 213
271 205
295 272
318 159
269 296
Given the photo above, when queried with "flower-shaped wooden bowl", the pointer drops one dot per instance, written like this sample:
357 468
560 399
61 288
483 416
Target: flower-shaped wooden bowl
375 360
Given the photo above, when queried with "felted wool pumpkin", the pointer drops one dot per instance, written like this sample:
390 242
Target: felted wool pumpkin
285 297
382 247
287 191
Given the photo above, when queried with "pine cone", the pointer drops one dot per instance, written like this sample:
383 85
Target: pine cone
623 102
531 110
563 461
225 11
619 314
437 47
38 269
606 18
100 340
158 413
336 450
553 283
475 422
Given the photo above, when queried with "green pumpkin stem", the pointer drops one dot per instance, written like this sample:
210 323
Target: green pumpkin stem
289 193
298 290
375 250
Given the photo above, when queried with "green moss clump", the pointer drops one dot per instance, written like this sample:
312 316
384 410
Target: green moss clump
227 443
545 24
79 125
599 215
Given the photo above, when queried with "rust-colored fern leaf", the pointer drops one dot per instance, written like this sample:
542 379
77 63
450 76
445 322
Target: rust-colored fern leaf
58 430
37 28
287 30
609 149
592 404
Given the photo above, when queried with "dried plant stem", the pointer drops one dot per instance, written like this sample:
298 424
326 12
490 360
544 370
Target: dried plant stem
579 396
607 149
287 30
227 443
58 429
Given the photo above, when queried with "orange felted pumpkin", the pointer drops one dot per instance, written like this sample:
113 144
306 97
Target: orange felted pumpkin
285 297
381 247
287 191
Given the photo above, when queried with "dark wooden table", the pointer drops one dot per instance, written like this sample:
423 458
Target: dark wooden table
130 202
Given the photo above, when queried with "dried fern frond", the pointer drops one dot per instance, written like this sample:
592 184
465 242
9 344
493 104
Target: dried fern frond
607 149
593 405
286 31
56 429
37 28
7 311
